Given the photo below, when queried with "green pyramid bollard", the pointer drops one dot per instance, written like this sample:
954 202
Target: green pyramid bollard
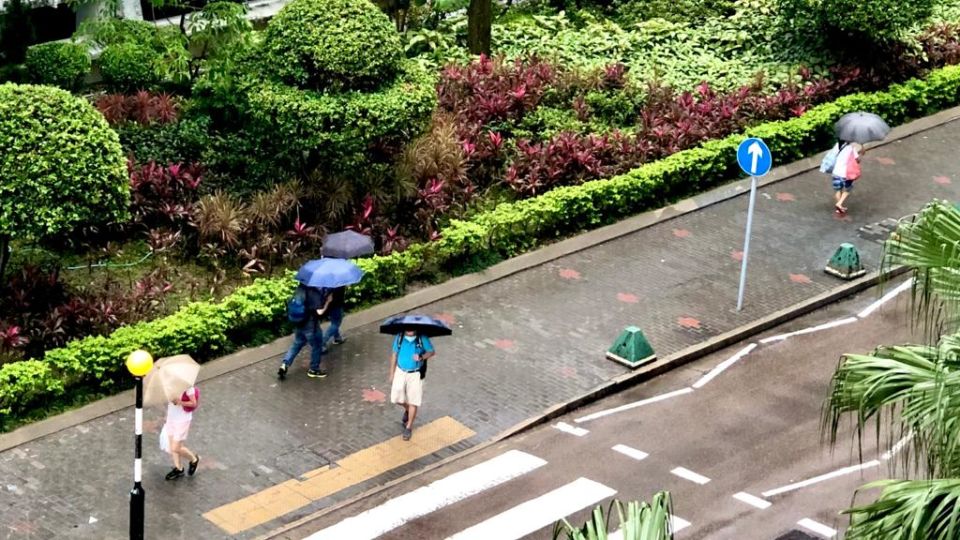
845 263
631 349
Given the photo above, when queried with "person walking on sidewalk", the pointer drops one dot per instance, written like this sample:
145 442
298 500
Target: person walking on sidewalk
410 352
334 308
845 172
175 429
308 331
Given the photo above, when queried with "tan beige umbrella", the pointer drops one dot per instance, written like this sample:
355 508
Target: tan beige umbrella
169 378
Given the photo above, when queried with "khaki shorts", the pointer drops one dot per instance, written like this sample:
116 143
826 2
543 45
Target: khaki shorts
407 388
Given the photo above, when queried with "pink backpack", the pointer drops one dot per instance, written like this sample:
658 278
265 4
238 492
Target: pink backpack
196 395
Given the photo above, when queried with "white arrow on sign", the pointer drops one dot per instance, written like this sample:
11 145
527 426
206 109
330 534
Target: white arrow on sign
755 151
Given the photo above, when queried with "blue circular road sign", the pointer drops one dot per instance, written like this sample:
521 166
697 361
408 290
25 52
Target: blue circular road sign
754 157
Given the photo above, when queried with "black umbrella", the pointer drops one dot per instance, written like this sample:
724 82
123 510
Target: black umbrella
861 127
347 245
424 325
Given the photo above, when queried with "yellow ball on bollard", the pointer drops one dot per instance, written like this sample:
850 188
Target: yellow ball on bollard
139 363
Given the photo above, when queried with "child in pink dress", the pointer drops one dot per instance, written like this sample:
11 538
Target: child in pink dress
174 432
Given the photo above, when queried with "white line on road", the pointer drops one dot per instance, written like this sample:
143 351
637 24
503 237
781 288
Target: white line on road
824 326
885 298
724 365
817 527
752 500
897 447
632 452
567 428
422 501
821 478
687 474
635 404
540 512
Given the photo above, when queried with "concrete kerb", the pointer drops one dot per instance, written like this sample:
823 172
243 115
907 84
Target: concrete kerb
247 357
623 382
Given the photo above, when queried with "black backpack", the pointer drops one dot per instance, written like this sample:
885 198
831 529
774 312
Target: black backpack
420 351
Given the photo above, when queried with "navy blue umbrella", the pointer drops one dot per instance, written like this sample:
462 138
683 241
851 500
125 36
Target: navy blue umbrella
347 245
424 325
329 273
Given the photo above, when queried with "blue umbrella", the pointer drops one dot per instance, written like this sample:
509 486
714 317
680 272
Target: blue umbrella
329 273
347 245
424 325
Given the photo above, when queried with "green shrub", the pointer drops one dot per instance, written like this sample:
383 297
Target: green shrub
631 11
338 129
107 31
185 140
60 163
879 20
127 67
58 64
335 44
206 329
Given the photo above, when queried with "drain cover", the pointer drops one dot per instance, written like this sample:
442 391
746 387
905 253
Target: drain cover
796 535
878 232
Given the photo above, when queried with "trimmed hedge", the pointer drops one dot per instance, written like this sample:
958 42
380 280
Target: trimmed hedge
205 328
127 67
58 64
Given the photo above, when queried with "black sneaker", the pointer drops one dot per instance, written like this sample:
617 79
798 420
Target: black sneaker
174 474
407 433
406 417
339 340
282 372
316 373
192 468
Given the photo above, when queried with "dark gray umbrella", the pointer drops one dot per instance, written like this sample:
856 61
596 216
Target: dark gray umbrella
424 325
861 127
347 245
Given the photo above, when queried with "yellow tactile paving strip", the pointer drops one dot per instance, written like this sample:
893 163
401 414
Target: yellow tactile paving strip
361 466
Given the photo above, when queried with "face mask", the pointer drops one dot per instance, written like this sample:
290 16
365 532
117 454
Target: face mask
409 338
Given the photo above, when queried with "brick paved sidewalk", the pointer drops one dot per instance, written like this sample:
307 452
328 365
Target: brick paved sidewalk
521 344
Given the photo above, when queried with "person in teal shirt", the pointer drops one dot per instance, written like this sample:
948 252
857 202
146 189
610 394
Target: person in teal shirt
410 351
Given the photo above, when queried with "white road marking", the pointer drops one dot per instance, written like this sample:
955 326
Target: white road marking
537 513
567 428
632 452
817 527
422 501
885 298
824 326
752 500
676 524
821 478
687 474
897 447
635 404
724 365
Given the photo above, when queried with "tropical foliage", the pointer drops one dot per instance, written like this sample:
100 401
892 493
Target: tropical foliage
638 521
911 391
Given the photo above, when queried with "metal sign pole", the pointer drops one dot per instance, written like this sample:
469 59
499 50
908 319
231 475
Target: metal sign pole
746 242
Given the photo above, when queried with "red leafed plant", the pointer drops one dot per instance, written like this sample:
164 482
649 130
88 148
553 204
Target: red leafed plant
11 338
143 108
164 194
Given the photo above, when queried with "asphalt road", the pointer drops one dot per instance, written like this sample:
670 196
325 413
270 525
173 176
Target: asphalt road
752 430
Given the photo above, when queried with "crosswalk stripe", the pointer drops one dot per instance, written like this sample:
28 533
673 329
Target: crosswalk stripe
632 452
752 500
687 474
817 527
537 513
567 428
422 501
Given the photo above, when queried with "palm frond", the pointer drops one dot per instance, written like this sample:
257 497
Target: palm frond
918 387
930 245
638 521
908 510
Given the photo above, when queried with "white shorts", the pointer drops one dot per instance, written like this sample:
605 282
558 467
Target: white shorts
407 388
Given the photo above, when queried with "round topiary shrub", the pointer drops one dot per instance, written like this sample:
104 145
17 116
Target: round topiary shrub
60 164
340 129
58 64
336 44
127 67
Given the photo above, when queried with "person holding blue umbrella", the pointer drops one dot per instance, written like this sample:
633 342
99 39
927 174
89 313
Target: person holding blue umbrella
309 302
